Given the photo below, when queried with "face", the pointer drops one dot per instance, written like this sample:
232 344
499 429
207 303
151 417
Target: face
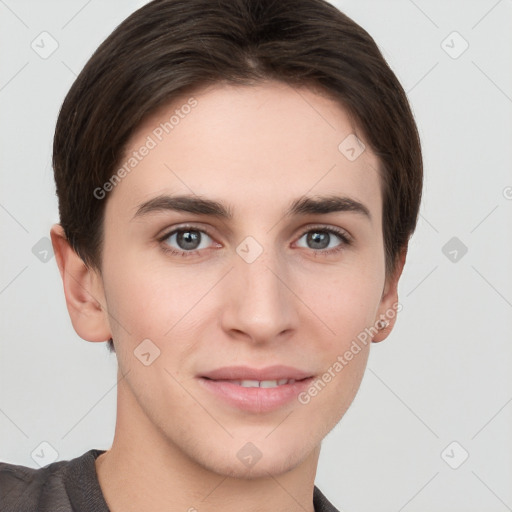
191 287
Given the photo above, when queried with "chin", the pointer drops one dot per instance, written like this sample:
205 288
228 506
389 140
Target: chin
262 466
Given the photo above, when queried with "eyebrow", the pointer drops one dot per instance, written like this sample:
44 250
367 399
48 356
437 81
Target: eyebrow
320 205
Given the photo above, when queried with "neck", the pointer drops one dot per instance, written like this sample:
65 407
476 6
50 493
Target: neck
146 470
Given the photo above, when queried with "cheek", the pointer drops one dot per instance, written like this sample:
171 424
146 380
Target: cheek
150 300
346 309
346 304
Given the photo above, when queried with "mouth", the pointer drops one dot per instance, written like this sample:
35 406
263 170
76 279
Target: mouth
244 373
259 383
255 396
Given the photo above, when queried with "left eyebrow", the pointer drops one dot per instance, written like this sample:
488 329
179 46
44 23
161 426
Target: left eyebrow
320 205
327 204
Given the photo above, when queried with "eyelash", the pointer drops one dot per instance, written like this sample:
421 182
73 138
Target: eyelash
345 240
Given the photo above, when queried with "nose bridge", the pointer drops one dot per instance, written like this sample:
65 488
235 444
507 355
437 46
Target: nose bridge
260 304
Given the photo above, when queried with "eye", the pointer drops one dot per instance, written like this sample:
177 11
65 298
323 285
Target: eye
189 241
186 241
322 238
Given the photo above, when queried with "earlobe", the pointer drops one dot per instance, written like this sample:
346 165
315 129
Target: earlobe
83 289
389 305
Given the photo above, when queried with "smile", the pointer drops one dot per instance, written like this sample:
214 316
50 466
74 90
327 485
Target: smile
255 396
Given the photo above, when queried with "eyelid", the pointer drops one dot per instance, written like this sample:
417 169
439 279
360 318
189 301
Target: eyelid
167 232
332 229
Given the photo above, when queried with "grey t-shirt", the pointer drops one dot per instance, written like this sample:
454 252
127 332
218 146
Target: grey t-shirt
70 486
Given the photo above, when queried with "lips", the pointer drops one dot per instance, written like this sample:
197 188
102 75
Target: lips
256 390
239 374
258 399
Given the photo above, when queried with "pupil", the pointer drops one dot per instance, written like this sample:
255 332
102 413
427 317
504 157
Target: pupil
319 238
188 239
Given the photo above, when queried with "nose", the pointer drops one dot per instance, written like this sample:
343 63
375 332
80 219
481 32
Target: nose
259 304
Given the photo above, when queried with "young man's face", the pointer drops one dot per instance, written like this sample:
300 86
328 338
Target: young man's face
258 289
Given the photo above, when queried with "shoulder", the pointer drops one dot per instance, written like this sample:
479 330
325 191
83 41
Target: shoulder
321 503
21 486
25 489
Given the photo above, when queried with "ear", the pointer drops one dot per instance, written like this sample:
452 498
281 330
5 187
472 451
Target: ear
389 305
83 288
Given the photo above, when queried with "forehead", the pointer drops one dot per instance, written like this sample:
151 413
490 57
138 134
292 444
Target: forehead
258 146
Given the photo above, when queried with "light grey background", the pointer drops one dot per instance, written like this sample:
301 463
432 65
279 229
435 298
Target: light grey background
443 375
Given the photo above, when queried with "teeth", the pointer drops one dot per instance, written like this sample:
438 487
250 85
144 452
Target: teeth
263 383
250 383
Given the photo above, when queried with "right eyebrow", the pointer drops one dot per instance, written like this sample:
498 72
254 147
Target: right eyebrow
184 203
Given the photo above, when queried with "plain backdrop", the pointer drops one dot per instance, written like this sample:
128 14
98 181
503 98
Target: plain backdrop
430 427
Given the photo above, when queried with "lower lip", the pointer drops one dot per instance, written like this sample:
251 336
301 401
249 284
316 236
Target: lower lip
258 400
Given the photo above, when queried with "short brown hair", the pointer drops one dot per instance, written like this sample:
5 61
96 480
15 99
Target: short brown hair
170 47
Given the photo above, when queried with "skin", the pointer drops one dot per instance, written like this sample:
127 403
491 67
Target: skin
256 149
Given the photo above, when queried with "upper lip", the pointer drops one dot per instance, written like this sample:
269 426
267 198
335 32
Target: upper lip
275 372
